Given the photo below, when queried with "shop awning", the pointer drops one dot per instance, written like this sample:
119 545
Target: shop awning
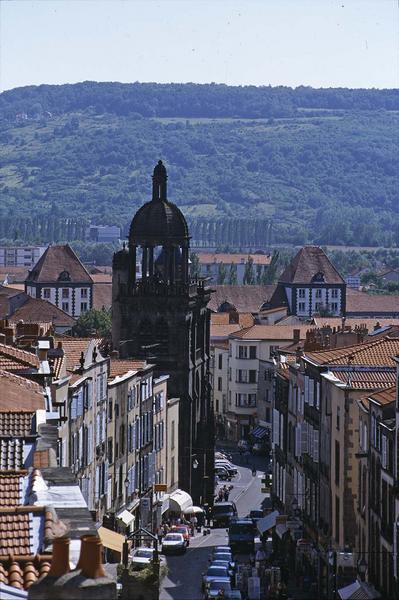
126 517
260 432
281 529
267 522
358 590
179 501
111 539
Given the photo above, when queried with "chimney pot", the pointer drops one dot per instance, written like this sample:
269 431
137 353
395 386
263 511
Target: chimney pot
296 335
60 561
114 354
90 558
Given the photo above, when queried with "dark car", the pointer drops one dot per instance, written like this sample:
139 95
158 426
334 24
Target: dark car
242 535
255 515
222 513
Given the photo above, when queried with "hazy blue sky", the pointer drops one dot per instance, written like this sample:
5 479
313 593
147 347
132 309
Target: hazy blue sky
321 43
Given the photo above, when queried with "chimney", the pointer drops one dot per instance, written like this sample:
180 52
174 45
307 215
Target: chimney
298 354
60 562
114 354
296 336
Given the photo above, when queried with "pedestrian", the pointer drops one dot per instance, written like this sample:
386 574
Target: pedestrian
226 495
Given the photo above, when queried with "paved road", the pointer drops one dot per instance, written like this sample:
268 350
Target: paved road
183 581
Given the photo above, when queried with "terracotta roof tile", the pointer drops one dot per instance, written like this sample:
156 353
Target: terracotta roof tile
102 295
378 353
54 261
14 360
15 533
101 277
223 331
22 572
119 367
11 488
73 348
271 332
366 380
19 394
36 310
245 298
309 261
361 302
16 424
384 397
11 453
206 258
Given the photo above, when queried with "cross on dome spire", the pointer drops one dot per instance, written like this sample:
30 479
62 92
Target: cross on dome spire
159 180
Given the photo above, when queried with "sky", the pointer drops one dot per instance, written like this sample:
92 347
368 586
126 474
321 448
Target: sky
321 43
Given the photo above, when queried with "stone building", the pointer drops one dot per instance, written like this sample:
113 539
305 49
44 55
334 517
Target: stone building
164 317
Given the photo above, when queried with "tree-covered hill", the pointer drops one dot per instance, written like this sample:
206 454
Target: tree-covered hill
305 165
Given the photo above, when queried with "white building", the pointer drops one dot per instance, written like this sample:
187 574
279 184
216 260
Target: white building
210 264
20 256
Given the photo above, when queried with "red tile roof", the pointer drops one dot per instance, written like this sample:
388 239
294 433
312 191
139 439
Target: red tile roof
378 353
19 394
15 360
223 331
54 261
73 348
11 453
309 261
206 258
119 367
23 572
245 298
36 310
102 295
271 332
16 424
361 302
385 396
366 380
11 488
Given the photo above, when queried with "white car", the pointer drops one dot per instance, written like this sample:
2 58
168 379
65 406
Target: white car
144 556
174 543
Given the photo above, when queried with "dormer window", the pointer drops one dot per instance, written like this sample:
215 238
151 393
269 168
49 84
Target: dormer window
318 278
64 276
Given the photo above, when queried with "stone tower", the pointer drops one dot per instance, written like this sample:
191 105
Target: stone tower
164 317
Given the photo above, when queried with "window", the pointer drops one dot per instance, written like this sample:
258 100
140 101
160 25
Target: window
317 305
318 293
65 293
65 306
337 461
83 293
252 376
252 352
172 438
242 376
219 384
301 307
251 399
46 293
83 306
242 352
338 417
109 451
301 293
220 361
334 306
337 519
172 471
268 415
334 293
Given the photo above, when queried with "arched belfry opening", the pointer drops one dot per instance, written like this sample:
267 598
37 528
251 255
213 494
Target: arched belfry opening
163 314
160 230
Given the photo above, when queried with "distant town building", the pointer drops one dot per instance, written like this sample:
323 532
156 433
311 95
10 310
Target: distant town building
210 264
60 278
311 285
20 256
104 233
353 281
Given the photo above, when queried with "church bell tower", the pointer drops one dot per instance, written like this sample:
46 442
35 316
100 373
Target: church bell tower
163 316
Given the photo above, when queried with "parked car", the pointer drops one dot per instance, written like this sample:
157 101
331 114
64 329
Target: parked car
225 556
222 513
221 549
223 563
229 466
142 556
184 530
216 587
174 543
255 515
214 572
222 456
222 473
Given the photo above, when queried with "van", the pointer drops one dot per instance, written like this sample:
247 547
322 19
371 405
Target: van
222 513
242 535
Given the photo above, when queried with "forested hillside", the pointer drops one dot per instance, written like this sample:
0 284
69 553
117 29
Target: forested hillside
245 164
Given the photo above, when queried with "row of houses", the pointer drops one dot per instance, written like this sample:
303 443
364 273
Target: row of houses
335 448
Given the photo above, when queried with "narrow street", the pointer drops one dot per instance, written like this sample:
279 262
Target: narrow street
183 581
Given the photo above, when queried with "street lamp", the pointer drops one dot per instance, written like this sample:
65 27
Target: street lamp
195 463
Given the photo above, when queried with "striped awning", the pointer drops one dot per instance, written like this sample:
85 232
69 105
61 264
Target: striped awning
260 432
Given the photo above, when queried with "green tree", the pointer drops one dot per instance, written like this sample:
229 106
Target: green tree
258 274
249 274
94 322
233 274
269 273
222 273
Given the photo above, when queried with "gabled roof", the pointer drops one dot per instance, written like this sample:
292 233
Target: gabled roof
36 310
365 380
244 298
377 354
384 397
55 261
361 302
20 394
121 366
73 348
307 264
15 360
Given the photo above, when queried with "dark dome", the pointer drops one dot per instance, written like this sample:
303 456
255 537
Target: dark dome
158 222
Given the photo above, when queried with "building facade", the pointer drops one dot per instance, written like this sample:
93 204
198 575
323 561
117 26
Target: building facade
20 256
